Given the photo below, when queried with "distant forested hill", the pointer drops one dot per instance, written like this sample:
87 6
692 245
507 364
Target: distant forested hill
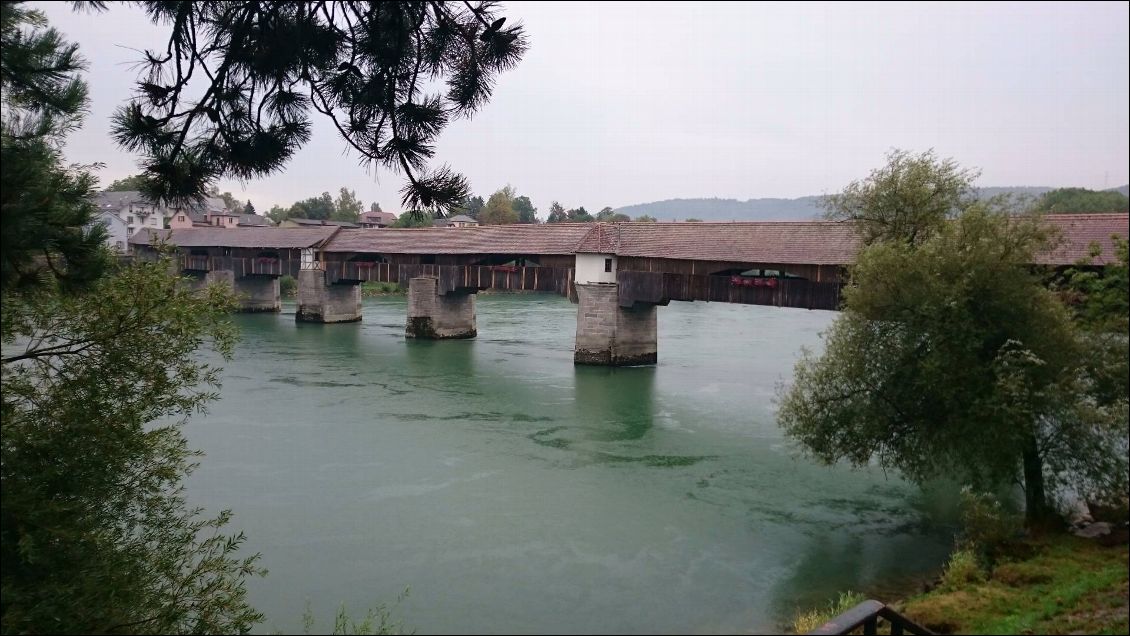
804 208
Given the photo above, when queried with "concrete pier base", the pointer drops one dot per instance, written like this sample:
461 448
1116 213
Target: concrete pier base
611 335
435 317
319 302
258 294
200 280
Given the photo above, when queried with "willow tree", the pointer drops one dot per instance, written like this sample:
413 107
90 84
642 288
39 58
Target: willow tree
951 357
231 91
907 199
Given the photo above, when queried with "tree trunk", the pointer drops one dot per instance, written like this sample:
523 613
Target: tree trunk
1036 509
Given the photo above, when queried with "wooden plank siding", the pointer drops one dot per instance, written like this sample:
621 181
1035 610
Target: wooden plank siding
244 262
453 277
660 288
817 273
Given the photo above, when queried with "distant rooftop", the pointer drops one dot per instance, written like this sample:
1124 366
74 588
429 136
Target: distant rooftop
327 222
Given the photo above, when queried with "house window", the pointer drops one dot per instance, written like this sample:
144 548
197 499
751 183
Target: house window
129 219
181 218
118 244
608 264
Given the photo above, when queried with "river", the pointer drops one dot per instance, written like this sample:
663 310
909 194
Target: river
512 492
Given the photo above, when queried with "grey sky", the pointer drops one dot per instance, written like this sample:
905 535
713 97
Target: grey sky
622 103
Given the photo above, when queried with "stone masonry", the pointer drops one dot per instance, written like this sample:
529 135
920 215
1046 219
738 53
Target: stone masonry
319 302
258 293
435 317
610 335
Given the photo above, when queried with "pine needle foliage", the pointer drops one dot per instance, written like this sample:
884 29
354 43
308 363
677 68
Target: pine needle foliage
231 91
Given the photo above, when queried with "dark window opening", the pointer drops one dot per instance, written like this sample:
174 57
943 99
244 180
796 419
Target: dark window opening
608 264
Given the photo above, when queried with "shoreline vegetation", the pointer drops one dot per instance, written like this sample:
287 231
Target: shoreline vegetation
1055 583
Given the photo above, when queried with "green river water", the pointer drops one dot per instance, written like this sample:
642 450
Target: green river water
514 493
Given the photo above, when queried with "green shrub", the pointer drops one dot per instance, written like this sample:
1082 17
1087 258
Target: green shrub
812 619
287 285
962 569
379 289
377 620
988 529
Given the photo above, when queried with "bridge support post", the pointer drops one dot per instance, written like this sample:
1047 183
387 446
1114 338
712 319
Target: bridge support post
319 302
200 280
611 335
258 293
433 316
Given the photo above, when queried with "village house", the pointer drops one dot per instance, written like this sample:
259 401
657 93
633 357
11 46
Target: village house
459 220
127 212
377 219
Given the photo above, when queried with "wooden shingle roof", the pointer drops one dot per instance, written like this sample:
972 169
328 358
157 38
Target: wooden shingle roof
1079 231
246 237
551 238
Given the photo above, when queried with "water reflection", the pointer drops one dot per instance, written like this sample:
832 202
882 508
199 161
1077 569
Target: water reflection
615 404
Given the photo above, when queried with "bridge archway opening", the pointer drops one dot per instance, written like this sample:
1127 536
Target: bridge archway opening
757 272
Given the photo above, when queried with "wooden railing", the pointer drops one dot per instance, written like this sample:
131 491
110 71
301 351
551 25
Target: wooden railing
454 277
867 615
241 265
661 288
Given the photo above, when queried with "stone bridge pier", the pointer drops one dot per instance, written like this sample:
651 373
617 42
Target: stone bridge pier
436 316
611 335
254 293
258 293
320 301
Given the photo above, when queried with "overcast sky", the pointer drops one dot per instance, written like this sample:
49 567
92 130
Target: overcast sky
616 104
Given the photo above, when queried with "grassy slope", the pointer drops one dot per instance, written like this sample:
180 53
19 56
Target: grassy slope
1069 585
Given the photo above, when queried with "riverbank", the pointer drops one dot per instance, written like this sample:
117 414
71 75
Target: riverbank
1067 585
1063 585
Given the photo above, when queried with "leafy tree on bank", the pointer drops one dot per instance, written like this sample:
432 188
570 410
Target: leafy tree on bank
692 220
414 219
129 184
1081 200
527 213
646 218
230 94
608 215
579 215
45 205
952 358
499 209
471 206
277 214
1098 297
320 208
375 207
557 213
907 199
347 207
249 209
95 535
